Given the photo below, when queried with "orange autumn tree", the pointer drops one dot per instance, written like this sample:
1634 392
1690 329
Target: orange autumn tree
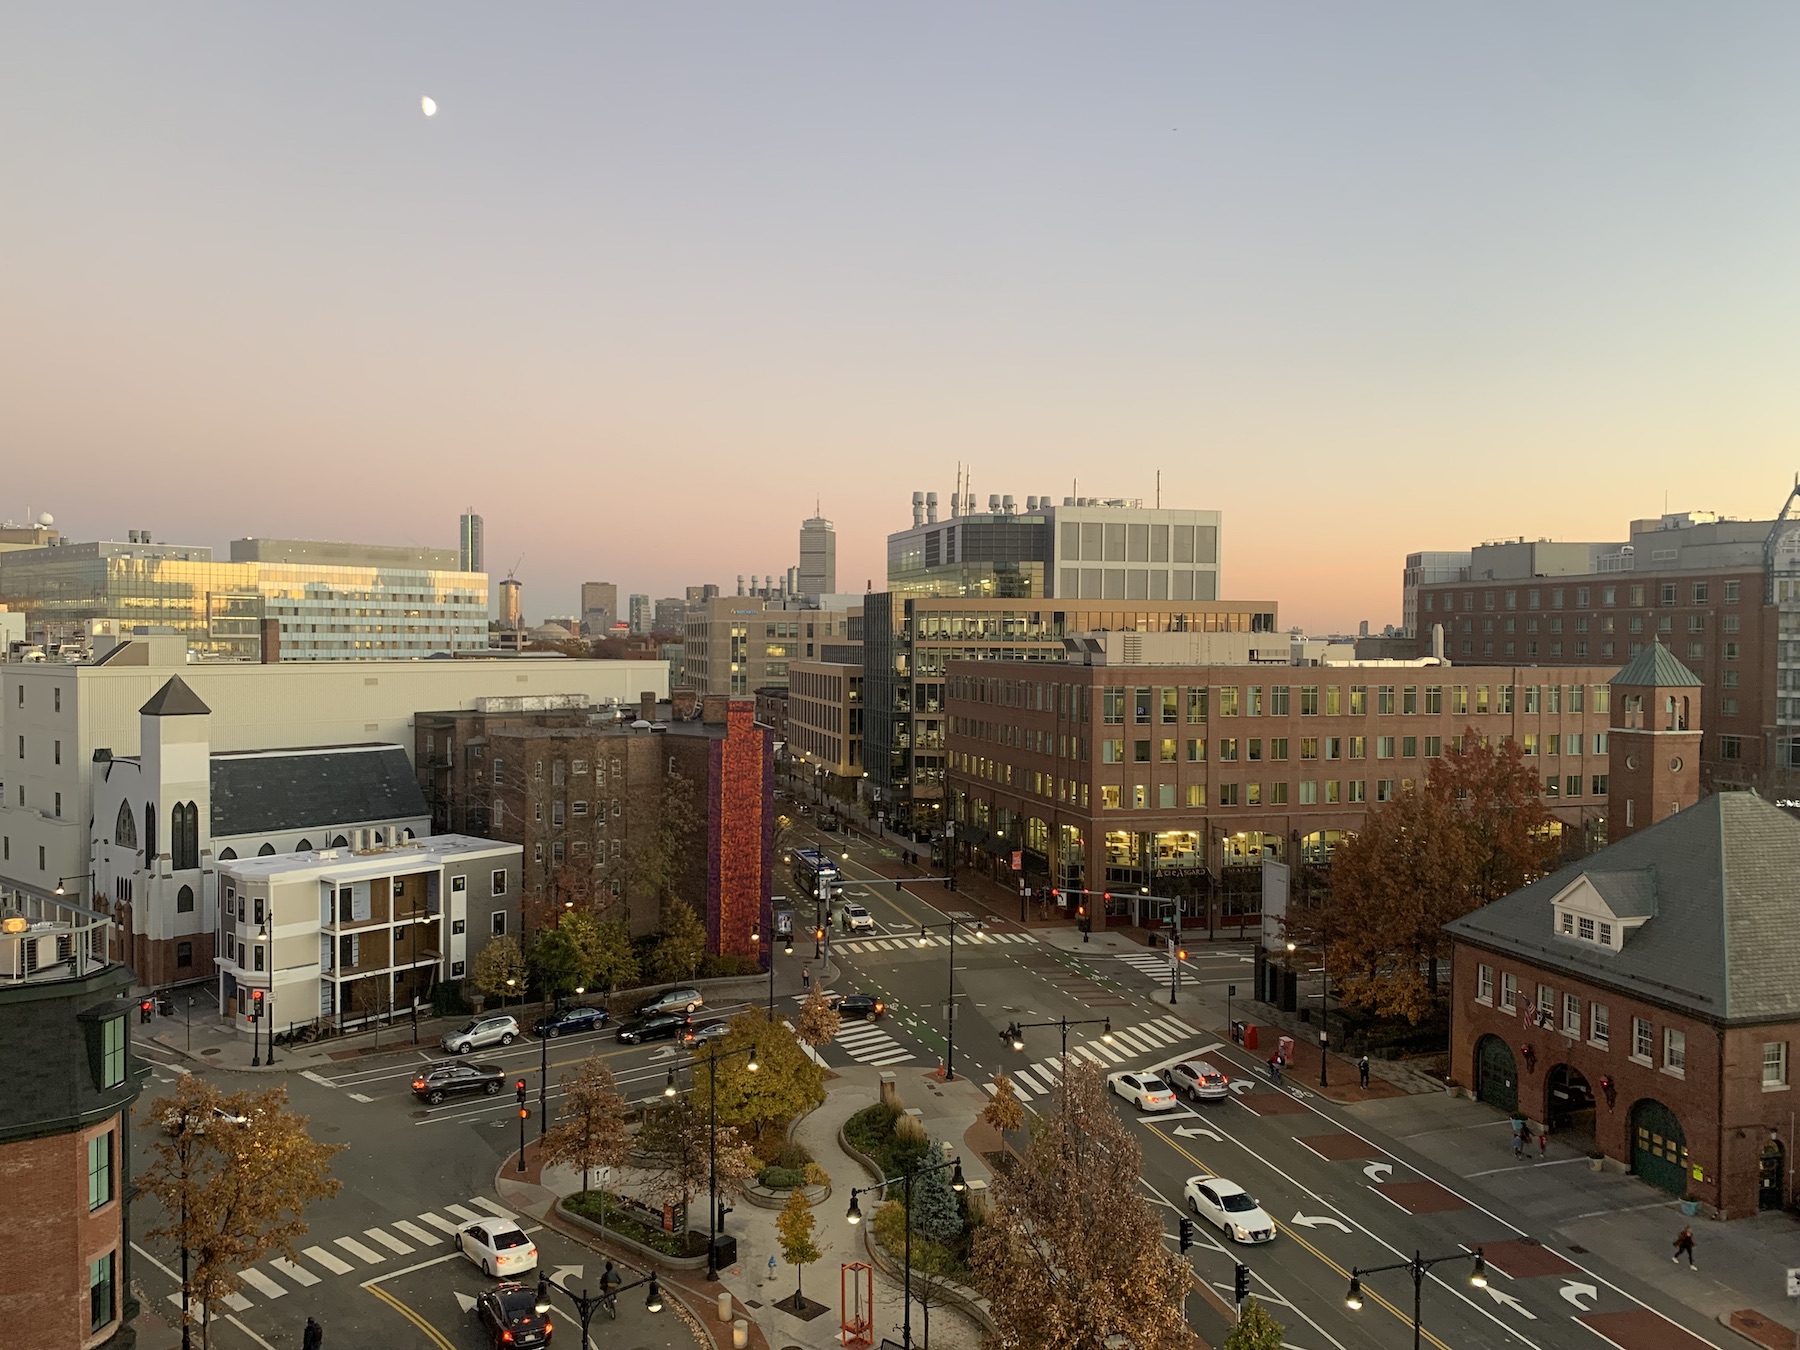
1474 831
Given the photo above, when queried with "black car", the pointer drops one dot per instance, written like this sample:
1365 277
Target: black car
661 1027
457 1079
860 1007
509 1315
569 1021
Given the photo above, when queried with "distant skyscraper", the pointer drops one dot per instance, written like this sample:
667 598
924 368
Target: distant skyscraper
818 556
641 613
472 554
599 607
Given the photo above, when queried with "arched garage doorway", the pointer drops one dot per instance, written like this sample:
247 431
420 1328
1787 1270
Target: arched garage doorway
1659 1147
1569 1103
1496 1074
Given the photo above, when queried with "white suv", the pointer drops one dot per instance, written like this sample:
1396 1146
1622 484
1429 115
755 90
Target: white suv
500 1029
856 918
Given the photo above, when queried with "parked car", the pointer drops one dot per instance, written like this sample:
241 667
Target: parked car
684 1000
1229 1208
860 1007
458 1080
569 1021
710 1032
664 1026
494 1029
855 918
1145 1091
510 1317
1199 1081
498 1246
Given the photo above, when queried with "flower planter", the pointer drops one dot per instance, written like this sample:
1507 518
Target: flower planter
764 1197
649 1254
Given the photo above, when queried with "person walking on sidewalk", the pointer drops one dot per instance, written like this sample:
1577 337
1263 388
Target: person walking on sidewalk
1543 1144
1684 1242
1362 1072
806 976
1275 1068
1518 1145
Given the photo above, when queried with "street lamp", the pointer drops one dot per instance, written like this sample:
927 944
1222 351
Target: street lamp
787 949
1417 1268
980 930
586 1304
1015 1033
712 1060
855 1216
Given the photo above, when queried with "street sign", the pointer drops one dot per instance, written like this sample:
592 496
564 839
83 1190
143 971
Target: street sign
1018 861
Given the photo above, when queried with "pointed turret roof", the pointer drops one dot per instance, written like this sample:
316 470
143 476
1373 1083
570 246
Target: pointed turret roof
175 699
1656 668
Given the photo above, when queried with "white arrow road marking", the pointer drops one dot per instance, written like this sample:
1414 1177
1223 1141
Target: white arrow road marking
563 1272
465 1301
1192 1131
1243 1085
1506 1300
1310 1221
1575 1291
1378 1171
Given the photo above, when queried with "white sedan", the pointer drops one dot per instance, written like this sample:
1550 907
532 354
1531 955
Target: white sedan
1145 1091
1229 1208
498 1246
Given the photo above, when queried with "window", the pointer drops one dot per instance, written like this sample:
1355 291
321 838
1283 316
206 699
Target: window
1112 751
1309 747
100 1170
1586 929
1309 792
1571 1015
1566 922
1434 698
1509 991
1674 1051
1309 700
1546 1005
497 923
1731 597
578 808
1165 796
1167 751
1434 747
1109 796
1278 794
1196 751
1333 792
1334 747
1606 935
1774 1064
1228 794
1196 705
1228 700
1278 748
1598 784
1641 1041
1196 794
1599 1023
1384 747
1484 984
184 900
1278 700
1112 705
1228 748
109 1061
497 883
184 955
100 1292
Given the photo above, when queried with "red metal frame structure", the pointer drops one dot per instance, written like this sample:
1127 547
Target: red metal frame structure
856 1300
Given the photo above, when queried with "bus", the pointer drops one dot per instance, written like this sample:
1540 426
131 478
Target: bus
812 865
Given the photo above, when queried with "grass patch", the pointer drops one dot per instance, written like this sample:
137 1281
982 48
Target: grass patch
628 1219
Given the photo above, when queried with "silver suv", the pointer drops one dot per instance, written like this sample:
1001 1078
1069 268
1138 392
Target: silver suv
498 1029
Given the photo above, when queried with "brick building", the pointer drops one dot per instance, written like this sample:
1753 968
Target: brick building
1189 775
588 795
65 1144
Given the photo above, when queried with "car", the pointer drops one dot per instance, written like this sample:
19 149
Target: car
863 1007
684 1000
496 1029
661 1027
856 919
569 1021
712 1031
1199 1080
509 1315
498 1246
457 1079
1144 1090
1229 1208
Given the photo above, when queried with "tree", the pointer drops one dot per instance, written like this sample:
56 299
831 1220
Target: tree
818 1022
934 1268
1071 1253
795 1226
556 963
674 1142
233 1174
367 1000
1255 1329
786 1082
682 944
937 1212
590 1127
499 968
1004 1111
607 958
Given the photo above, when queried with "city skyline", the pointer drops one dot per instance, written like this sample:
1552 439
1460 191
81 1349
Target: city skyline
728 268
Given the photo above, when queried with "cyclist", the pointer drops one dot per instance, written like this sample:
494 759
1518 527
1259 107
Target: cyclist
610 1280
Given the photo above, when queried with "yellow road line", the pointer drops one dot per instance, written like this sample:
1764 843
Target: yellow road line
1292 1236
437 1337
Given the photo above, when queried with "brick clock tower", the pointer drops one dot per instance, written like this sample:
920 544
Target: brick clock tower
1653 748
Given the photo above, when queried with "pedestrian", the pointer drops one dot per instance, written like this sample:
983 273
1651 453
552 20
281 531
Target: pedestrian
1275 1068
1518 1145
806 976
1362 1072
1684 1242
1543 1144
314 1336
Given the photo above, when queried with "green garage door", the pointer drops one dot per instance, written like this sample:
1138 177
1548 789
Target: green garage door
1496 1075
1659 1147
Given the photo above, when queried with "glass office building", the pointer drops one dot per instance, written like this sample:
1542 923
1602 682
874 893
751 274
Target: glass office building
326 612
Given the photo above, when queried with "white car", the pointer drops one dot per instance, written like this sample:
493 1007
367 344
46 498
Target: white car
498 1246
480 1032
1229 1208
1145 1091
1199 1080
858 919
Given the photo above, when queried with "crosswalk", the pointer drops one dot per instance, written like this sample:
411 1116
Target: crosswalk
883 944
867 1043
353 1252
1156 967
1155 1037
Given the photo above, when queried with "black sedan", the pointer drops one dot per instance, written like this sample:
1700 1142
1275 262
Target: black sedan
509 1315
457 1079
661 1027
860 1007
569 1021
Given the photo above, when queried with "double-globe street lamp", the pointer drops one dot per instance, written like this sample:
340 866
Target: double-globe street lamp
1418 1268
787 949
979 928
906 1176
1014 1035
586 1304
712 1060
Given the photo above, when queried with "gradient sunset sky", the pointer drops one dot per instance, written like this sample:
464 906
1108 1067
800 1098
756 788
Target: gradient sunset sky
1366 277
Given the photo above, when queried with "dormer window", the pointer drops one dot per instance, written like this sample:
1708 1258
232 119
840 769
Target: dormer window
1606 935
1568 922
1585 929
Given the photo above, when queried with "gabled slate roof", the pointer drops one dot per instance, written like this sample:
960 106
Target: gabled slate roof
1656 666
275 791
1720 883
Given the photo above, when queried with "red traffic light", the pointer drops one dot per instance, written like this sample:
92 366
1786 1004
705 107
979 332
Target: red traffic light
256 995
146 1005
524 1111
1181 953
1106 896
1081 911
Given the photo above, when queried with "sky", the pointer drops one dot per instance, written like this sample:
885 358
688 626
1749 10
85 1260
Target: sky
1366 278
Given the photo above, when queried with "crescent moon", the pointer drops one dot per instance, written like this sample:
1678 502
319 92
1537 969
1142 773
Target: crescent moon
429 106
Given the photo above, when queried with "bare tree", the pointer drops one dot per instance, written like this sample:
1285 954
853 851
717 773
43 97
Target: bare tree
590 1128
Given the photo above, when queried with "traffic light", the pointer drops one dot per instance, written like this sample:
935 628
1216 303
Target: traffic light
144 1010
1081 910
1187 1234
519 1092
1241 1282
1181 953
1055 894
256 1004
818 935
524 1111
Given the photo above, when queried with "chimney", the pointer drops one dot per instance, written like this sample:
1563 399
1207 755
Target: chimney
1006 504
1030 505
647 705
271 641
740 583
713 709
931 505
682 703
1437 642
993 503
918 505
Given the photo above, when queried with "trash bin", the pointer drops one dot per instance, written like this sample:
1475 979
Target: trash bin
1249 1038
724 1251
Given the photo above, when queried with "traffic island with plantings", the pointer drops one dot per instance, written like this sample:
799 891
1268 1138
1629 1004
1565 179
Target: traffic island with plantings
636 1222
792 1168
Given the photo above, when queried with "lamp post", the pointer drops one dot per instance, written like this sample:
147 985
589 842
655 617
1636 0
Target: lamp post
957 1184
1324 1005
1418 1268
712 1060
787 949
1014 1035
586 1304
980 930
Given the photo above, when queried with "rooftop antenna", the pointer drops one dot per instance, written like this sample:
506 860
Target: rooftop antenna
1159 489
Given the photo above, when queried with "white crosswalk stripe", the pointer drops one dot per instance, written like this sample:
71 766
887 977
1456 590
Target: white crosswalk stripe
418 1234
867 1043
442 1224
326 1259
261 1283
300 1275
1157 967
492 1208
392 1243
1041 1079
365 1254
462 1212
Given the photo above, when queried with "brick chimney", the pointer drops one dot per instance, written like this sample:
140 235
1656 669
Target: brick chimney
647 705
683 703
271 641
715 709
